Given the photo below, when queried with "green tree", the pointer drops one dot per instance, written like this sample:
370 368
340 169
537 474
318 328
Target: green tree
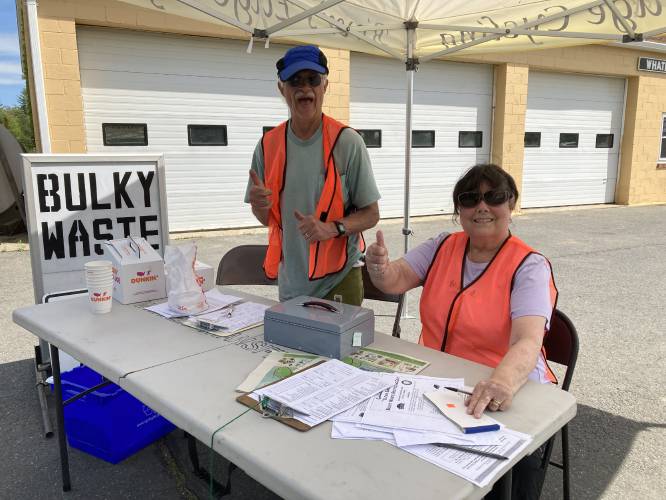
18 120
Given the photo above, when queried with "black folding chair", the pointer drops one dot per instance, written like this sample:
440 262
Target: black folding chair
243 265
561 344
370 291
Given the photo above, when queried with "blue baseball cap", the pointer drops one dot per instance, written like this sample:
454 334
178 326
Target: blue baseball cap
299 58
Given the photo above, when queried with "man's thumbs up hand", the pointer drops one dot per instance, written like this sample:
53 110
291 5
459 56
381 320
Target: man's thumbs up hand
376 256
260 197
313 229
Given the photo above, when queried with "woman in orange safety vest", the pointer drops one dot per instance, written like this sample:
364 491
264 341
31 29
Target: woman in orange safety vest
487 296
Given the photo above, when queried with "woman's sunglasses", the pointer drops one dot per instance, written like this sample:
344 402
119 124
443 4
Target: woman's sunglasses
299 81
471 199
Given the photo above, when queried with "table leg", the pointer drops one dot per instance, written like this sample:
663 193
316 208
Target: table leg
60 419
504 486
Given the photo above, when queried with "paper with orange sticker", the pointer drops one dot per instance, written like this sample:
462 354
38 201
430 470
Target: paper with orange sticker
452 406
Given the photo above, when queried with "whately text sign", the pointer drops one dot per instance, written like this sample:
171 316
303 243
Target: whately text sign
76 203
652 64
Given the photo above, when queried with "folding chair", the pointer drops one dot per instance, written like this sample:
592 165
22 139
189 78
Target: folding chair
561 344
243 265
370 291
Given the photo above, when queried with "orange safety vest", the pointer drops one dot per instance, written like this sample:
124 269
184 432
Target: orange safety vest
326 257
473 322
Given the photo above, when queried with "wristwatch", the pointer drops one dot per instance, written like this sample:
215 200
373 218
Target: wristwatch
340 227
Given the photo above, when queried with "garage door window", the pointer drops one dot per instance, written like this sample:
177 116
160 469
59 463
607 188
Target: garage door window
604 141
423 138
472 139
125 134
372 138
662 154
207 135
532 139
568 140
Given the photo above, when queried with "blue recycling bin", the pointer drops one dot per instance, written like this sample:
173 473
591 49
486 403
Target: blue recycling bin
108 423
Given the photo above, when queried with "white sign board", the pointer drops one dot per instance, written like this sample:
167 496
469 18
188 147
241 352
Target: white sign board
76 202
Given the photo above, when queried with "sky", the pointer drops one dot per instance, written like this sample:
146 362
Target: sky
11 79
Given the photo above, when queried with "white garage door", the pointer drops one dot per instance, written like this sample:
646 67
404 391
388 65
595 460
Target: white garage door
573 125
168 83
449 98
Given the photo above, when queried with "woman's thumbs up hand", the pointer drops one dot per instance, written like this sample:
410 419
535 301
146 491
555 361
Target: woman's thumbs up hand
376 256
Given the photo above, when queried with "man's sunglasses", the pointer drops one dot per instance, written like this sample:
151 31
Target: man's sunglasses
471 199
299 81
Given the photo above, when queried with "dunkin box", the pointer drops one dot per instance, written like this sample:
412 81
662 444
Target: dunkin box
205 275
138 270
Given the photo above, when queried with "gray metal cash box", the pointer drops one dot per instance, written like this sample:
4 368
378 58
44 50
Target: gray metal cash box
319 326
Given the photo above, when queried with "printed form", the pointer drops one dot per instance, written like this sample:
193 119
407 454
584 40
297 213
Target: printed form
478 469
320 392
403 405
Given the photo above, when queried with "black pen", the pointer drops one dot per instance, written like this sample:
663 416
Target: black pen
471 450
458 390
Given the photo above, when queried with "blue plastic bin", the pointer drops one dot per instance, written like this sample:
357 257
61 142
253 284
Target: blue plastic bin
108 423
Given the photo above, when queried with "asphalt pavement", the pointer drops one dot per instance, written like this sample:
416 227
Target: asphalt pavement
610 268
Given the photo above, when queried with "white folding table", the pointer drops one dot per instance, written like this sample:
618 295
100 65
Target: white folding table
191 378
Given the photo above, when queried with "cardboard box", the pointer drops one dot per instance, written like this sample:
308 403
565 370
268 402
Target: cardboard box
205 275
138 270
319 326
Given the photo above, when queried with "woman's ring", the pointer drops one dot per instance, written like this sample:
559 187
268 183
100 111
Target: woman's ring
494 402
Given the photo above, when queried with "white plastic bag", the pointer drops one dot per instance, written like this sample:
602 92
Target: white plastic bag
184 293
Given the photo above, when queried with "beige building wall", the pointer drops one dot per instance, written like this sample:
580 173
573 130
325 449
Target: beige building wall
62 84
640 181
336 102
510 99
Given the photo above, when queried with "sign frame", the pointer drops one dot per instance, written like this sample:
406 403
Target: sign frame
642 60
32 161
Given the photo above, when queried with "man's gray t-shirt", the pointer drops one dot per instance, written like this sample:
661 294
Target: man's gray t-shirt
304 181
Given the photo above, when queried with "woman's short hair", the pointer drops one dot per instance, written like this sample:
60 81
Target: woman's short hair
493 175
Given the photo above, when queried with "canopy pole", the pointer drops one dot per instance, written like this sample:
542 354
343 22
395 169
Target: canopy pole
411 64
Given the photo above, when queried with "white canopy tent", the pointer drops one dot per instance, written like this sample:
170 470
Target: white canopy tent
417 31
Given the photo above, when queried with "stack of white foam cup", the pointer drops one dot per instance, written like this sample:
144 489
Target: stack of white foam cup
99 281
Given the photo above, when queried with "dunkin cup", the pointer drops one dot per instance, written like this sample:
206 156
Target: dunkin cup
99 281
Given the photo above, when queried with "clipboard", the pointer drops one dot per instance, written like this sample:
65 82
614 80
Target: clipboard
246 400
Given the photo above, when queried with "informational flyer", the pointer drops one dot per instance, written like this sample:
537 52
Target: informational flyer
276 366
403 405
374 360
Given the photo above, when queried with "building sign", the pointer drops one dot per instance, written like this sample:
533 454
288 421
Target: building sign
76 203
651 64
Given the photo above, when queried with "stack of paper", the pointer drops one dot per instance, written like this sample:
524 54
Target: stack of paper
314 395
216 301
391 407
231 320
402 416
